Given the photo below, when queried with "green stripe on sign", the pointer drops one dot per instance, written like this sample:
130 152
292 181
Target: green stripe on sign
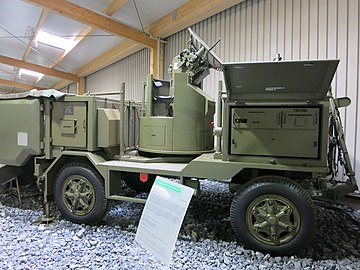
167 185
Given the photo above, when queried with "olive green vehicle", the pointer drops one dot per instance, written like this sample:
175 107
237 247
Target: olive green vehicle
278 136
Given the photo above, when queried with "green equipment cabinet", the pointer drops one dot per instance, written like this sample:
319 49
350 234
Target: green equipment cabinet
276 132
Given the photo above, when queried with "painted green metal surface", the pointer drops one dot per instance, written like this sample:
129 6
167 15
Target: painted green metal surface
78 195
21 130
69 124
273 219
108 127
267 121
273 131
179 114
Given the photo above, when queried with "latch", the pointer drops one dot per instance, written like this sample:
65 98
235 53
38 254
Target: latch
68 127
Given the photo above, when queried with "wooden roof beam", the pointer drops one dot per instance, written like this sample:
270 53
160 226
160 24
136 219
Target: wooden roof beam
114 6
20 85
45 70
40 23
188 14
4 92
96 20
120 51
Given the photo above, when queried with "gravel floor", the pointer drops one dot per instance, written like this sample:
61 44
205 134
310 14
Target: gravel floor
206 240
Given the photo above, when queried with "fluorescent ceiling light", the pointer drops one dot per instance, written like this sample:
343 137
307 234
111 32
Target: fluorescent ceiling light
53 40
35 74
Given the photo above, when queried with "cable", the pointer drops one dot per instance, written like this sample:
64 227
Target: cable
39 53
64 36
137 11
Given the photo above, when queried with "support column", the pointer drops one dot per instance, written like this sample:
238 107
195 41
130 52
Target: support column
156 60
122 123
80 86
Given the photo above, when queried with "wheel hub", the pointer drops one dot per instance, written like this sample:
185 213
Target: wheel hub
78 195
273 219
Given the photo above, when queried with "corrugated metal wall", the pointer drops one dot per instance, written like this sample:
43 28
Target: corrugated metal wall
133 70
257 30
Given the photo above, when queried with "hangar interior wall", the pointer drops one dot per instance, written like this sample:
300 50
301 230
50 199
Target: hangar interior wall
256 30
132 70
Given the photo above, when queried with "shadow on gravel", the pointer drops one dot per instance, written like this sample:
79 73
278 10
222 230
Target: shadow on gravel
208 220
31 197
337 236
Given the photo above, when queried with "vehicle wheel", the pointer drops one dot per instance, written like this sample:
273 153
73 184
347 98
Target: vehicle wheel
133 181
79 194
274 215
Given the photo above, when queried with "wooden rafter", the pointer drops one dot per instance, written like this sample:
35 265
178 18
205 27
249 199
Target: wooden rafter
45 70
96 20
19 85
3 91
120 51
40 23
188 14
114 6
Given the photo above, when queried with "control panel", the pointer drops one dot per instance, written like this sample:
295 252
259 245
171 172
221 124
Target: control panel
276 131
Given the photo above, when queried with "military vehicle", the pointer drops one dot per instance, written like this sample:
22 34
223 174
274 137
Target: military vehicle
279 143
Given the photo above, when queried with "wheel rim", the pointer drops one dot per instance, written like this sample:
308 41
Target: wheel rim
273 219
78 195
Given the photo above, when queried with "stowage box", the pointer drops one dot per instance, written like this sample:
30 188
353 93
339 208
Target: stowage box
20 130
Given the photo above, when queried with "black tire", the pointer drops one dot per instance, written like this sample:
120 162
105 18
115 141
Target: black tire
272 214
132 180
79 194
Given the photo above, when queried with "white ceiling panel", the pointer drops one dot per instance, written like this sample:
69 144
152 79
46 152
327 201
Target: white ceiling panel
19 19
16 11
149 11
6 70
16 19
92 47
7 76
11 47
97 6
62 26
48 81
44 55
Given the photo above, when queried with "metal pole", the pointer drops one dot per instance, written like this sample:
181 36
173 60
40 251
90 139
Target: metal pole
149 85
121 124
158 58
219 118
143 99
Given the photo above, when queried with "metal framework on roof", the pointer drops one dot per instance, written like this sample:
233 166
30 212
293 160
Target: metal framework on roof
103 31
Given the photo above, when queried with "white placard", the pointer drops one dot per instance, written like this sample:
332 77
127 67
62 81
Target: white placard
162 217
22 139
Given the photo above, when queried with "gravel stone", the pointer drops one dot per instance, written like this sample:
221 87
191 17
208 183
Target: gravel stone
205 241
